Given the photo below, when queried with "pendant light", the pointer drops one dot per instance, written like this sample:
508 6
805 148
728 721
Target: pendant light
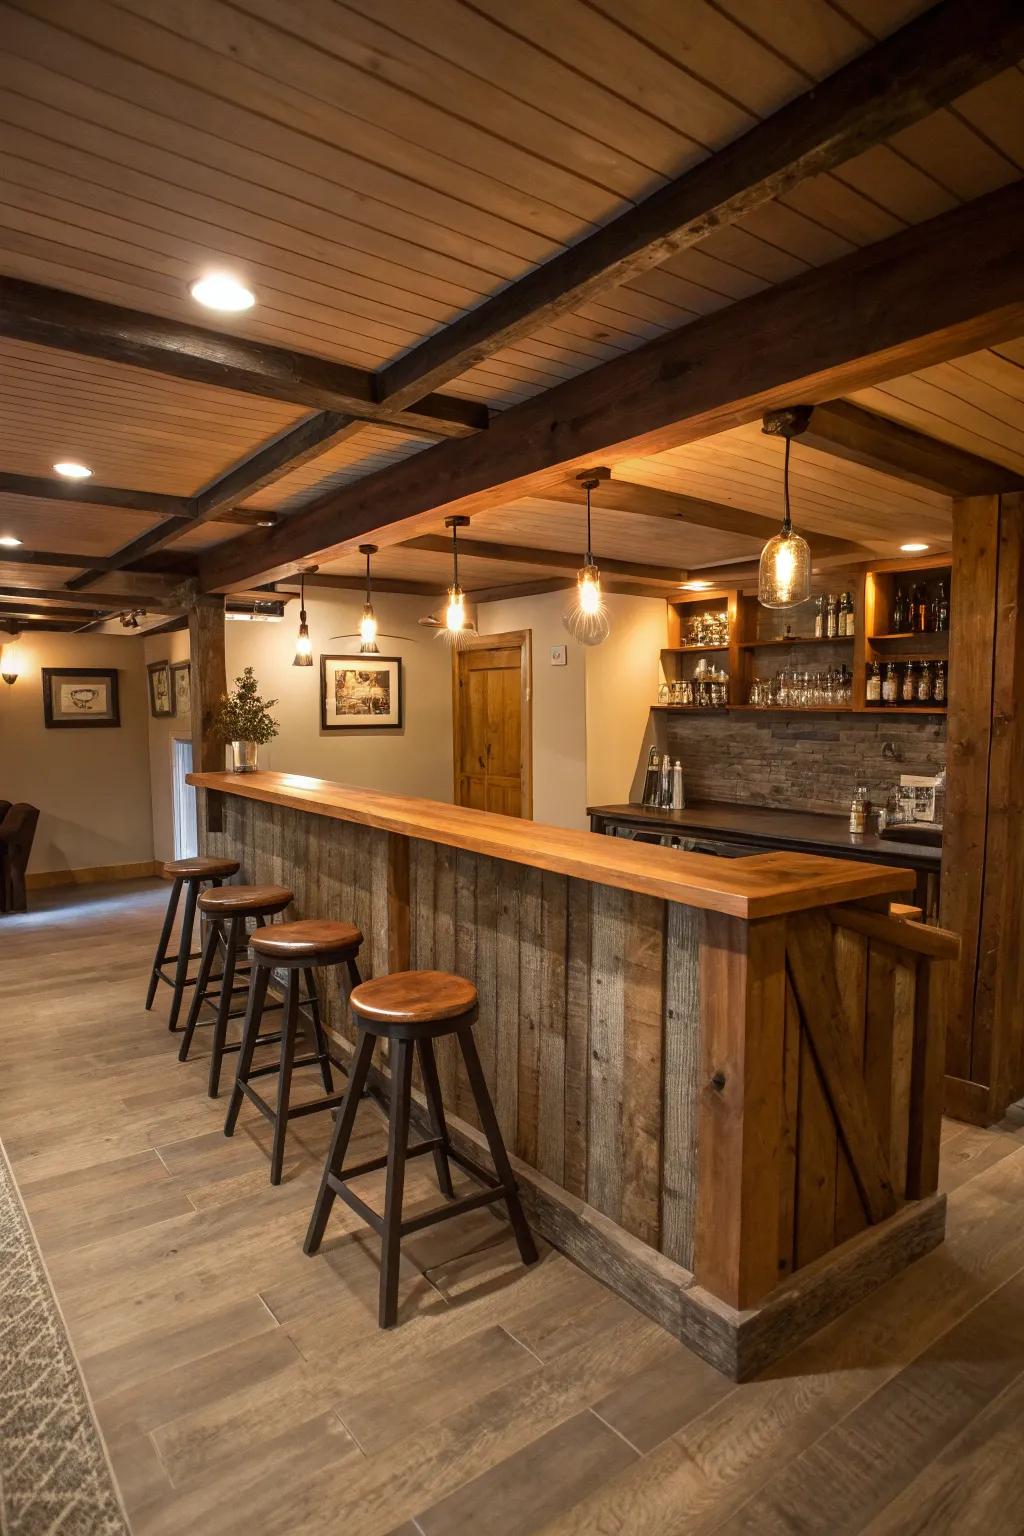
587 620
303 644
368 623
784 573
457 627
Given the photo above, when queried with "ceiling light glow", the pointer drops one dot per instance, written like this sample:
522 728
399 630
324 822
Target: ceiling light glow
217 290
9 541
72 470
913 549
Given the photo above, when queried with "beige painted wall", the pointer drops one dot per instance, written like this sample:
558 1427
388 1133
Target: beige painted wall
623 675
91 786
416 760
559 705
173 647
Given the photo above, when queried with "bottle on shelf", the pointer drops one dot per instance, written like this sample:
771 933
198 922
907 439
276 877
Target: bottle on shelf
922 616
940 610
651 777
924 683
890 685
819 618
908 687
846 627
665 786
873 692
860 809
832 616
678 802
939 683
900 612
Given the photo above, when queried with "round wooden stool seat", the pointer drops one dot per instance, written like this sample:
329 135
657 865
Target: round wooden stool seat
245 900
413 997
200 868
309 940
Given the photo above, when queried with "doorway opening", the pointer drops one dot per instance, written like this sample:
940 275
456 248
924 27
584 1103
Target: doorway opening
183 801
492 712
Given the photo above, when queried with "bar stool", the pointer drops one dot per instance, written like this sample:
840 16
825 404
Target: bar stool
227 906
192 873
413 1009
296 948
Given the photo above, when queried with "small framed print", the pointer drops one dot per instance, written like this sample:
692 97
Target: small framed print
181 688
161 697
360 693
76 698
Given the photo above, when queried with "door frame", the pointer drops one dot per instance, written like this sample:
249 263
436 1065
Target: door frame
523 638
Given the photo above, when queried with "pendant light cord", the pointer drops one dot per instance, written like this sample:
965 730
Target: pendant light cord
455 555
590 553
787 522
368 579
302 597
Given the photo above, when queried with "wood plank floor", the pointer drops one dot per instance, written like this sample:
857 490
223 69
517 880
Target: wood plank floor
244 1390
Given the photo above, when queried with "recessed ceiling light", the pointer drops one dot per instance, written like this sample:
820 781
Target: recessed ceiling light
695 586
71 470
913 549
9 541
219 291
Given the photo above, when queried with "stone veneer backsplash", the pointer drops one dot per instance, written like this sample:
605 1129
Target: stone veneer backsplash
800 762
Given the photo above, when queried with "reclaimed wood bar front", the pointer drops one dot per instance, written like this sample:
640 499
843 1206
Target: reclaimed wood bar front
721 1079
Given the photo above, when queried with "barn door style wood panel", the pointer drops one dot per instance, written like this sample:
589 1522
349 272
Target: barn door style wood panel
983 847
492 705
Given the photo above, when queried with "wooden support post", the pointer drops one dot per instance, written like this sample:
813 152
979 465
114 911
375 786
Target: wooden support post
983 848
208 680
740 1134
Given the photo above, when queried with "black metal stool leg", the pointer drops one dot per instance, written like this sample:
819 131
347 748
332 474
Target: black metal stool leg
339 1141
188 923
435 1109
236 929
164 940
289 1030
398 1142
319 1038
259 980
492 1130
213 937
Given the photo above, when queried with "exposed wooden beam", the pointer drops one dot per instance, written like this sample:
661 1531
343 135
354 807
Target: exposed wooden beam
49 317
847 431
24 556
358 584
115 600
33 610
648 501
569 561
280 456
953 47
520 589
149 502
932 292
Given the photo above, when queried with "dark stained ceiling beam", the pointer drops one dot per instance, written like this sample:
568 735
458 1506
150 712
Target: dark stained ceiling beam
691 511
33 610
516 554
847 431
49 317
149 502
936 291
126 598
358 584
951 48
270 462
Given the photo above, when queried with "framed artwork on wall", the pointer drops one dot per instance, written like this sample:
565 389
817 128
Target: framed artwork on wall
161 696
181 688
80 697
359 693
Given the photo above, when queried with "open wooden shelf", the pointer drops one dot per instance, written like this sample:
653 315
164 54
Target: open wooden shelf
902 709
760 645
914 634
680 650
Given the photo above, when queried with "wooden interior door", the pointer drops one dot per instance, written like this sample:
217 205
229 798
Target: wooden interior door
492 714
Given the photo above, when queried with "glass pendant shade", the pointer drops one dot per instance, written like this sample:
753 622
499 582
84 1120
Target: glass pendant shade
587 620
11 665
784 573
456 629
303 644
368 632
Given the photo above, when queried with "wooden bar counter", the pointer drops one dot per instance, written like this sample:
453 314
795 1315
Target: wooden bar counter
721 1079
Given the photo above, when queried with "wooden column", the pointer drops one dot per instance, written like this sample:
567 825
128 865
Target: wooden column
740 1134
208 678
983 847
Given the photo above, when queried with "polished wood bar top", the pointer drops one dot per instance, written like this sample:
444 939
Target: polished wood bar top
763 885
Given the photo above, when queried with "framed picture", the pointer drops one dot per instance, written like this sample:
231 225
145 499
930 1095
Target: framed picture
181 688
359 693
161 698
77 697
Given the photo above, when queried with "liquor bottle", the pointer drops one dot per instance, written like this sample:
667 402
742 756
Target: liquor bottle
900 613
940 609
848 628
874 687
923 615
678 802
924 683
651 777
908 690
890 685
832 617
939 683
819 618
665 787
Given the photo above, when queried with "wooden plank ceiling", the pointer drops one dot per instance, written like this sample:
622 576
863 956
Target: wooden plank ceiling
376 170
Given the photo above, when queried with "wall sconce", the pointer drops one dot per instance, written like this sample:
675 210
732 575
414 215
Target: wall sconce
11 663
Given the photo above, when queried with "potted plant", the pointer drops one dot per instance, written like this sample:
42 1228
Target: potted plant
244 721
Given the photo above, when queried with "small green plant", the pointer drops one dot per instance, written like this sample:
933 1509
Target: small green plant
243 716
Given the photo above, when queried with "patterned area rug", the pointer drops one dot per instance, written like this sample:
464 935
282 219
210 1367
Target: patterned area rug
54 1476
